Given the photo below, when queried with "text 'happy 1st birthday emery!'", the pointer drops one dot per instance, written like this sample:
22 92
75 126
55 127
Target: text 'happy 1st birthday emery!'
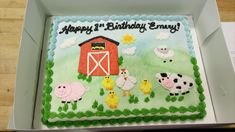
110 26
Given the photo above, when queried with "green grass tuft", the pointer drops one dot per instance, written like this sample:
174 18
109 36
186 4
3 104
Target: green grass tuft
95 104
173 99
60 109
66 107
168 98
100 107
146 100
181 98
152 94
101 91
120 60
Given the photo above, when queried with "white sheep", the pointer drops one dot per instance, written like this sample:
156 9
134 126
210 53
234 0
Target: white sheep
164 53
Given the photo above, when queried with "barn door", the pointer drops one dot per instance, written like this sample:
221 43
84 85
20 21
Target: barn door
98 63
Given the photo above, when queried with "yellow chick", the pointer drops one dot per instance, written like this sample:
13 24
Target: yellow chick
108 83
112 100
146 87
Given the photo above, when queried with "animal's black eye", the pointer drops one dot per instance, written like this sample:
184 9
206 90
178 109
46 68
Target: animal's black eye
164 48
110 92
161 48
63 86
108 77
121 72
59 87
162 78
159 80
167 77
124 72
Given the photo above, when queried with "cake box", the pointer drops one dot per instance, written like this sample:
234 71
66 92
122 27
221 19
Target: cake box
215 56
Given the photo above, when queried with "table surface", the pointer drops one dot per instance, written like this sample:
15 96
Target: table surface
11 17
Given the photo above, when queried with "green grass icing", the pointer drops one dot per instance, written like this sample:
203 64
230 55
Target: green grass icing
153 111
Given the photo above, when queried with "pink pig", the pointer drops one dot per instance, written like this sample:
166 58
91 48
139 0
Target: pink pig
70 91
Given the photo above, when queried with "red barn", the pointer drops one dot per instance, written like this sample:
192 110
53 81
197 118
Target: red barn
99 57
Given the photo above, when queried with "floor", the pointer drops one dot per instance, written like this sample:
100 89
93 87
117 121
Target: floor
11 20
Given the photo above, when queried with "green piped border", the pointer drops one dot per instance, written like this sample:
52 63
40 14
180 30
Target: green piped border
147 118
120 121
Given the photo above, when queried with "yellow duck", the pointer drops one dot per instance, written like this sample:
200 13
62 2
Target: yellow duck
108 83
112 100
146 87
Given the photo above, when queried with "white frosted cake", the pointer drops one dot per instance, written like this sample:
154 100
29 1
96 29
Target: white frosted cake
106 70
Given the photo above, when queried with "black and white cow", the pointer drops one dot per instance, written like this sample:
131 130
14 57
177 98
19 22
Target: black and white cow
175 83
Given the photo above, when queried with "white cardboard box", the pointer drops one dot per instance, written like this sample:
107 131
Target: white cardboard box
215 55
229 31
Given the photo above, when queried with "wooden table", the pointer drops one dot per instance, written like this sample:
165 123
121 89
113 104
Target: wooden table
11 20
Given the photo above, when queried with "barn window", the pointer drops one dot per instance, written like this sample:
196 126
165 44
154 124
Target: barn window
98 46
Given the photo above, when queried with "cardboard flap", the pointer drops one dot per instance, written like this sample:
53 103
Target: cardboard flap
11 123
26 82
207 24
35 25
118 7
220 76
229 31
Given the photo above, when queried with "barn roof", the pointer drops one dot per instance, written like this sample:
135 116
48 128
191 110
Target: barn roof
115 42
